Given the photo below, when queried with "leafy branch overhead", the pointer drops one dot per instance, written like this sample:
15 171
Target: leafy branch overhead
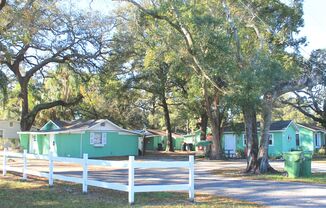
45 37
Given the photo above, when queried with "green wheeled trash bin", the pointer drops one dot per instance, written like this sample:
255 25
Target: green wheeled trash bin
306 164
292 163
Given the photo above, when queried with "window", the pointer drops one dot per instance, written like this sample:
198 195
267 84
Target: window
1 133
317 140
11 124
98 139
297 139
244 138
271 140
289 138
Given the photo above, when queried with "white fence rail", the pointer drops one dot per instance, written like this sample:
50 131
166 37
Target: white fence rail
131 165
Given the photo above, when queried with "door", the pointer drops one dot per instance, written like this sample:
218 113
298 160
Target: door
52 145
33 146
229 144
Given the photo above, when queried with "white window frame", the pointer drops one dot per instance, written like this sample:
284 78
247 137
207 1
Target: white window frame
244 140
271 138
317 140
93 140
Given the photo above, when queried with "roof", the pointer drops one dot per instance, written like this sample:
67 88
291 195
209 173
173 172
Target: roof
78 126
275 126
312 127
279 125
162 133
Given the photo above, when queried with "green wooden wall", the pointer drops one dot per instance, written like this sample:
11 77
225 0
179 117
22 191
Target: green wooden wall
281 142
75 145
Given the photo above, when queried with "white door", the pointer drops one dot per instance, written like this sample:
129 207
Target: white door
52 145
229 143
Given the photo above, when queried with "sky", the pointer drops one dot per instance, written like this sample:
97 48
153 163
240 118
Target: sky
315 24
314 18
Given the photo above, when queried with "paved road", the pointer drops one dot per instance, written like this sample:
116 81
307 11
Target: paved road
269 193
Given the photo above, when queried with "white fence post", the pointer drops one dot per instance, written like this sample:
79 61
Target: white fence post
25 164
131 180
85 173
50 168
191 178
4 164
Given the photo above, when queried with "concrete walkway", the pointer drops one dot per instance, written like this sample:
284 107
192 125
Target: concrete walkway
269 193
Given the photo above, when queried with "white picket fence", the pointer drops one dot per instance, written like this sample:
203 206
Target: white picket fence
131 165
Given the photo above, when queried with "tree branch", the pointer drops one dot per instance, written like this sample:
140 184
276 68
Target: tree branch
31 115
184 32
2 4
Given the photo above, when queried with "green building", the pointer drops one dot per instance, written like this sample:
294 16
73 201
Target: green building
311 137
284 137
157 138
194 137
97 138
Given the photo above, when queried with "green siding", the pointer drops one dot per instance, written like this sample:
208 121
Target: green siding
24 141
277 147
152 142
74 145
281 142
289 139
306 139
178 143
49 126
116 145
68 145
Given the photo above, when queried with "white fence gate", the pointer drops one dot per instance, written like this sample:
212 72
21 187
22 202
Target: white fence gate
131 165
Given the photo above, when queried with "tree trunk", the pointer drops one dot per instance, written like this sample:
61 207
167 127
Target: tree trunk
2 4
250 119
26 122
214 118
169 144
203 125
267 107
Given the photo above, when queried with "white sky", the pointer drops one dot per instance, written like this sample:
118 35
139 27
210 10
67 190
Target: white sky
315 24
314 17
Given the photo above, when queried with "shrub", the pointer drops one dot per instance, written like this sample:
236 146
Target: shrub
322 151
240 154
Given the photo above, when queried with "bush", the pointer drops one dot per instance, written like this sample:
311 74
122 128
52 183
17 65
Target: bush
322 151
240 154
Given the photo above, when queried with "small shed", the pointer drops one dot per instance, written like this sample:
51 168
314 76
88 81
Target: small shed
312 137
97 138
156 138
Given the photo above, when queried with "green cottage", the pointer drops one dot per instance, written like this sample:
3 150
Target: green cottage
97 138
157 139
284 137
312 138
194 138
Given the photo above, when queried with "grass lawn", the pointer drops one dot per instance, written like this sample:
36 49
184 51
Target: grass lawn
316 178
36 193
